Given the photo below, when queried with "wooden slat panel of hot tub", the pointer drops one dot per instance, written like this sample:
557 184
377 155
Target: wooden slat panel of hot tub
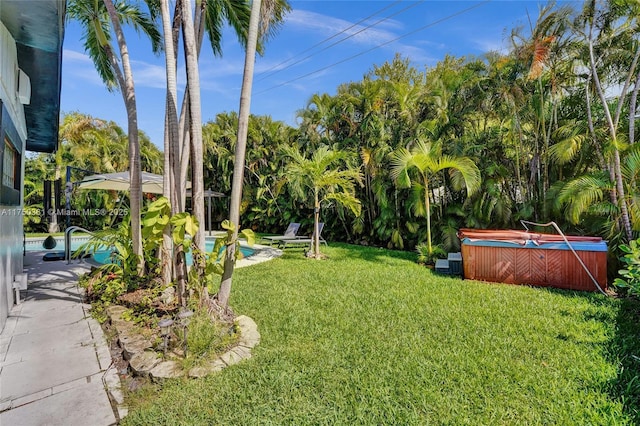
555 268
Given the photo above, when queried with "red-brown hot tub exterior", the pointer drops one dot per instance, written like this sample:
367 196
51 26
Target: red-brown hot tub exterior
522 257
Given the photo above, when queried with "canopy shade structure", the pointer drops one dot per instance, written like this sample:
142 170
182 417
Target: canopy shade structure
38 29
151 183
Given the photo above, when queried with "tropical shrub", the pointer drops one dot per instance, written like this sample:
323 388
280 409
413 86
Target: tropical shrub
631 273
428 255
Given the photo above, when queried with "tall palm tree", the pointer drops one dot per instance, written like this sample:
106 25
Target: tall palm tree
426 159
265 17
610 34
322 176
98 19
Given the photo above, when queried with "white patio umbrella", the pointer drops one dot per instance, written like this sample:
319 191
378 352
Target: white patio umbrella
151 183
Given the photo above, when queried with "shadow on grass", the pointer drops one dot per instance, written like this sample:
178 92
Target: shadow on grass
374 254
625 351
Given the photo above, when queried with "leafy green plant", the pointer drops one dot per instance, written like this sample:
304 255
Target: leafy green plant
631 274
155 221
214 263
428 255
112 280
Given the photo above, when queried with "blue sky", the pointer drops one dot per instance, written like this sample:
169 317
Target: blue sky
423 31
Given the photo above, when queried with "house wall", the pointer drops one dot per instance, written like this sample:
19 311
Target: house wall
13 132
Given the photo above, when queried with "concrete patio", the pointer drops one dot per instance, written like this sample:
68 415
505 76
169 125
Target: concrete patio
55 365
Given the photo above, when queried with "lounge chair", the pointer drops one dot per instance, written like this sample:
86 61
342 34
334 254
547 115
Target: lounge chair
290 233
303 241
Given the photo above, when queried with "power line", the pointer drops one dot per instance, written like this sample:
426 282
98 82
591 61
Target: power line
326 40
341 40
431 24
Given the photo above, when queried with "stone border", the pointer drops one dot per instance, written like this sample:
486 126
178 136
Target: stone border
144 361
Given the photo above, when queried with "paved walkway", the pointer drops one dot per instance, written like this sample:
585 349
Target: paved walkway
55 365
54 359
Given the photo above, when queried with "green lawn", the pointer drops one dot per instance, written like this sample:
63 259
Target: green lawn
369 337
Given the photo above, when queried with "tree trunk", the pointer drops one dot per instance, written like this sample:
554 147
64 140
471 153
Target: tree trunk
241 146
185 147
626 222
170 140
129 95
427 206
316 224
197 167
633 104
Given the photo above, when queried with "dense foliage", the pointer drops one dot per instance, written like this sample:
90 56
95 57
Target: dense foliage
88 145
548 143
532 120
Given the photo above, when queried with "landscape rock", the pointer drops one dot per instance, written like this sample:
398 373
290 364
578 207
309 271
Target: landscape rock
141 363
203 371
231 358
167 370
242 351
249 335
115 311
134 345
168 296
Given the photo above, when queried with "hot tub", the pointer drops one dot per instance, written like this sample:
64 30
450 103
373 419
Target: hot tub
523 257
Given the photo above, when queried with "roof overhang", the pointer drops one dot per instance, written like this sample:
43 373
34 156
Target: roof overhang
37 26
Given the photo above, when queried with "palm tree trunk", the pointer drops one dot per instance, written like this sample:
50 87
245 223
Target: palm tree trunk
197 167
241 146
626 222
316 225
170 140
185 146
633 104
129 95
427 206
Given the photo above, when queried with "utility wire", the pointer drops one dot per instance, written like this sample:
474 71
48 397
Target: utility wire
339 41
431 24
326 40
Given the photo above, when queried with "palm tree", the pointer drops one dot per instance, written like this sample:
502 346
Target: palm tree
321 176
98 18
426 159
608 30
262 23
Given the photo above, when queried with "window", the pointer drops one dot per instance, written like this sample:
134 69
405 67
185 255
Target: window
10 164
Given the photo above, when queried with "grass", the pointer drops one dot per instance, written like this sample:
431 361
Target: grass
370 337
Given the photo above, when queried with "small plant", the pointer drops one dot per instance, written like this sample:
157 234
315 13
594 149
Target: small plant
119 281
426 257
214 262
207 339
631 274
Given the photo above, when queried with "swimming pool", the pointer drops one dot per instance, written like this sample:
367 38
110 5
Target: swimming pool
104 256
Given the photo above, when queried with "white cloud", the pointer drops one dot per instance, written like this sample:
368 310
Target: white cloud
329 26
487 45
73 56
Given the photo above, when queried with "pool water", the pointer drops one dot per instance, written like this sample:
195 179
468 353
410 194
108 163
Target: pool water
104 256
